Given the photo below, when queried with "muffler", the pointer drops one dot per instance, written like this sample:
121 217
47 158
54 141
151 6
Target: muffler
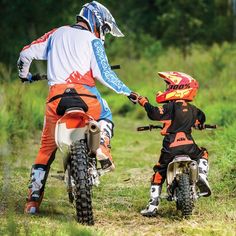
94 136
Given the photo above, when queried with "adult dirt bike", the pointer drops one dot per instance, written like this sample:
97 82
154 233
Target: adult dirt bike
77 136
181 179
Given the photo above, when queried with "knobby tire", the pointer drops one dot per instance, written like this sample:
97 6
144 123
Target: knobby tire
83 188
184 196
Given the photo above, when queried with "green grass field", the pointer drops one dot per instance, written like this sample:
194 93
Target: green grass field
123 193
119 198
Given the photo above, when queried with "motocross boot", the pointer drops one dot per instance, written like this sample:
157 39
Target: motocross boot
152 207
36 186
202 183
104 150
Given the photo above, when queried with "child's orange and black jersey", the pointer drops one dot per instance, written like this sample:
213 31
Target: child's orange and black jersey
178 118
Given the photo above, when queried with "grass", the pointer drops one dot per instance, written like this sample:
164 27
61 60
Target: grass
122 194
119 198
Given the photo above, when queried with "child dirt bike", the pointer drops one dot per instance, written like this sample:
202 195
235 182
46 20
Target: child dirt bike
178 117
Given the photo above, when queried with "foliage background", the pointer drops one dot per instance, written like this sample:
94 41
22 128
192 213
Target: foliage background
196 37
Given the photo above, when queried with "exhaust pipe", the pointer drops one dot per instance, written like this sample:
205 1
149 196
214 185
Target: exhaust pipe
94 136
194 171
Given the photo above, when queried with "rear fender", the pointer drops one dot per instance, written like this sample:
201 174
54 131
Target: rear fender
179 165
71 127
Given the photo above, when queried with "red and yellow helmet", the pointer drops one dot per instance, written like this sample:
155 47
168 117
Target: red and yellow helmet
179 86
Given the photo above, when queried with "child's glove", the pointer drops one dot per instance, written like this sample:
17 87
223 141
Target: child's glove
142 100
198 125
133 97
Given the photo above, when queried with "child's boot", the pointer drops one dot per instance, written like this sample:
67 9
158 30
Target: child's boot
152 207
202 183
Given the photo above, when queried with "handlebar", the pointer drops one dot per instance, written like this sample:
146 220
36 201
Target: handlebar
206 126
151 127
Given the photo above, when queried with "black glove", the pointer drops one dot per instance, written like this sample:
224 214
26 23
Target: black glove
133 97
37 77
31 78
27 79
200 126
23 79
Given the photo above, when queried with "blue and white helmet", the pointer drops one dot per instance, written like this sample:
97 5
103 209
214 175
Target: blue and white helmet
99 20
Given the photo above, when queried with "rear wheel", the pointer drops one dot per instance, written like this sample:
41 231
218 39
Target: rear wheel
184 196
82 190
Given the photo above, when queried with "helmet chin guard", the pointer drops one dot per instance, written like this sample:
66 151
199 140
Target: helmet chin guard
180 86
99 20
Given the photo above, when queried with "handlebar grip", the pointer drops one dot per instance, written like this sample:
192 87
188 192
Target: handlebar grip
206 126
115 67
37 77
143 128
150 127
44 77
24 80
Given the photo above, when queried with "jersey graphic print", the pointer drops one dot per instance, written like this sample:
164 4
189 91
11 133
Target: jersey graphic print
40 40
109 77
76 78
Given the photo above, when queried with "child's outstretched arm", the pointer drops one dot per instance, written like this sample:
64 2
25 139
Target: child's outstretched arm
154 113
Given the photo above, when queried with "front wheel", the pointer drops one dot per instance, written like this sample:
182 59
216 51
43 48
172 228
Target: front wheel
184 196
82 190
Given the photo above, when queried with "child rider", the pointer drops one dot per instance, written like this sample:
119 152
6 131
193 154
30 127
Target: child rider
178 117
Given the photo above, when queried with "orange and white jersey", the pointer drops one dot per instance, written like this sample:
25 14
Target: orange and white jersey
74 55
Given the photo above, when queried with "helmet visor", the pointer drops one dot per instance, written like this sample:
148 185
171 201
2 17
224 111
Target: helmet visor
115 31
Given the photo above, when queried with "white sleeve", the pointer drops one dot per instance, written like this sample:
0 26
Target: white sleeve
102 71
38 50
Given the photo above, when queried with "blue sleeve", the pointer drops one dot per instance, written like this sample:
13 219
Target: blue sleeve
102 70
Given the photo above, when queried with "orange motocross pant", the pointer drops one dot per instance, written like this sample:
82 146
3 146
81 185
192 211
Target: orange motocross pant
88 97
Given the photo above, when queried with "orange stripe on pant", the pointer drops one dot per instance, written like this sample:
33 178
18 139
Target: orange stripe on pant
156 178
48 144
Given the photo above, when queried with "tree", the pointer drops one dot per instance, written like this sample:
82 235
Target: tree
178 23
23 21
